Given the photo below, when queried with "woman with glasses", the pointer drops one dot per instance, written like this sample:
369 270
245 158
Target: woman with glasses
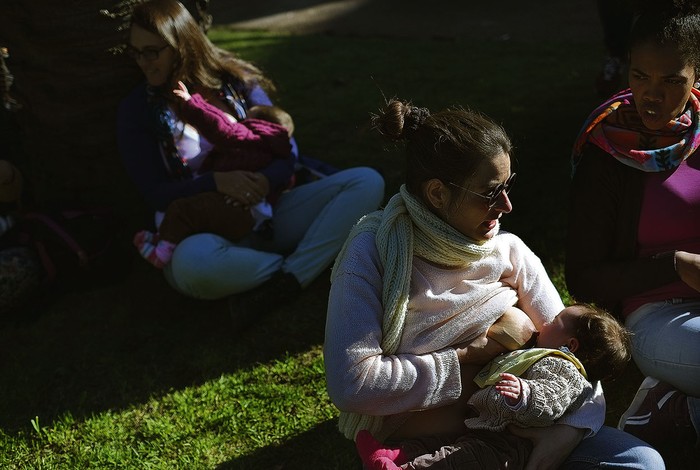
163 154
634 231
418 285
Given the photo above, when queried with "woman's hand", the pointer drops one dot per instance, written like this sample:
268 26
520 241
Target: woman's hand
688 268
244 188
551 445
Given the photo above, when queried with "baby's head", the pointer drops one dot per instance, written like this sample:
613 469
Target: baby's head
597 339
272 114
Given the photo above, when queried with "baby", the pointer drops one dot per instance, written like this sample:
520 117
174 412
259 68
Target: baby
248 145
529 387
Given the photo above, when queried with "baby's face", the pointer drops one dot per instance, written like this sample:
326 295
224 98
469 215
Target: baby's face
558 332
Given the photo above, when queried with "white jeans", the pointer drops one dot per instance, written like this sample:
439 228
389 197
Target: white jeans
311 223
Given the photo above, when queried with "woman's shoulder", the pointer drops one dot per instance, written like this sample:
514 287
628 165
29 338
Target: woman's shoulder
597 159
512 247
508 240
360 255
136 98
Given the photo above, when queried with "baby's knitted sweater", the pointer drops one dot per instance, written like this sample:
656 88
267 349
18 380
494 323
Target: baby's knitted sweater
555 385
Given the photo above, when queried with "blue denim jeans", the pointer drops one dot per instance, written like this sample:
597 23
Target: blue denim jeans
311 223
666 346
612 448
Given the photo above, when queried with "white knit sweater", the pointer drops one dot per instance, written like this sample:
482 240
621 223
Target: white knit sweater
446 307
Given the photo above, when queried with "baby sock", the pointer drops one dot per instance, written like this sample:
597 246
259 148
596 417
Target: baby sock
374 455
157 252
144 236
162 254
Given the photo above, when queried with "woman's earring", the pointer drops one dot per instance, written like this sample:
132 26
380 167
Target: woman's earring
696 84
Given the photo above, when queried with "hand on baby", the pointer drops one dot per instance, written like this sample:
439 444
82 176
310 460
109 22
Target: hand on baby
182 92
510 388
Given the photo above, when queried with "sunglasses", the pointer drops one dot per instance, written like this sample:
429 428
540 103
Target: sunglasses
149 53
492 197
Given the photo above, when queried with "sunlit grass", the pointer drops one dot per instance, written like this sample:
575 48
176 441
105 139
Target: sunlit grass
219 421
133 376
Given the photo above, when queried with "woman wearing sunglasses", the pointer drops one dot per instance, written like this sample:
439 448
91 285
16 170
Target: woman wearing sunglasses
416 289
163 154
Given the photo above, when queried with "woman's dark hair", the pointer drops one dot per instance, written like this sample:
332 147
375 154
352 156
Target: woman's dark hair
674 23
604 344
198 60
448 145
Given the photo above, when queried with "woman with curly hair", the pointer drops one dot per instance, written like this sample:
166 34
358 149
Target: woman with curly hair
634 231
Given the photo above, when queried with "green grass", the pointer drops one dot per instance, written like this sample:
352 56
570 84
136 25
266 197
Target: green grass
134 376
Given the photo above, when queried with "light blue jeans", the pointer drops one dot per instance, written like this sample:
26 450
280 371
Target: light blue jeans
612 448
311 223
666 346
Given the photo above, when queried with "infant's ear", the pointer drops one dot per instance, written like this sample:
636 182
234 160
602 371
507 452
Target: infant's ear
572 344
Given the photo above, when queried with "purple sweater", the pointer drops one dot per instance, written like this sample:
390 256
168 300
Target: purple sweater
250 144
140 152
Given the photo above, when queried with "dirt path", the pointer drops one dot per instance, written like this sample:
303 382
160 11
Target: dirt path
570 20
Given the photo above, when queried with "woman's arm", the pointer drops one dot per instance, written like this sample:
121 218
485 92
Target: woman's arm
551 445
142 159
537 295
360 377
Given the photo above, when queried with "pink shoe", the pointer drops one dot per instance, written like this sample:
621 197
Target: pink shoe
374 455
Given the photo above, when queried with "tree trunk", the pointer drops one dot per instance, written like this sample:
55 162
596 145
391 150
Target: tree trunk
69 81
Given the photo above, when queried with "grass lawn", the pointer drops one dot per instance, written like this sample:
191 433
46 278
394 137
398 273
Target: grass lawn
134 376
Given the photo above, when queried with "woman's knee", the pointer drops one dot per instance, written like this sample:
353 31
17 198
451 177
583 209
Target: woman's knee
615 449
667 348
191 269
370 180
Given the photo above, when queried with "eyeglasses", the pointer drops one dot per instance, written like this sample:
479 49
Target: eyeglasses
492 197
149 54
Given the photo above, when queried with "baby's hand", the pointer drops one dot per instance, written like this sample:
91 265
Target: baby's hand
181 92
509 387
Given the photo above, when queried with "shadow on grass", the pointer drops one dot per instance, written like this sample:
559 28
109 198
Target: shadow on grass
321 447
122 344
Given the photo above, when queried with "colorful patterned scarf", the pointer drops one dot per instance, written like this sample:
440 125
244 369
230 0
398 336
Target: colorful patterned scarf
616 127
232 92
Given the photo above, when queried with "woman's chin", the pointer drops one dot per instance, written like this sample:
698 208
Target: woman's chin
489 229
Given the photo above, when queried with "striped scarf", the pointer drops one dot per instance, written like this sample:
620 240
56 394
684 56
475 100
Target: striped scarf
405 228
616 127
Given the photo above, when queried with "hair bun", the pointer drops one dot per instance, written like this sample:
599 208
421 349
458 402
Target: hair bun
398 119
414 118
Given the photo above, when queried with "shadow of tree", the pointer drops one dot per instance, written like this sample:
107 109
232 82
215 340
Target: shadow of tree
321 447
119 345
